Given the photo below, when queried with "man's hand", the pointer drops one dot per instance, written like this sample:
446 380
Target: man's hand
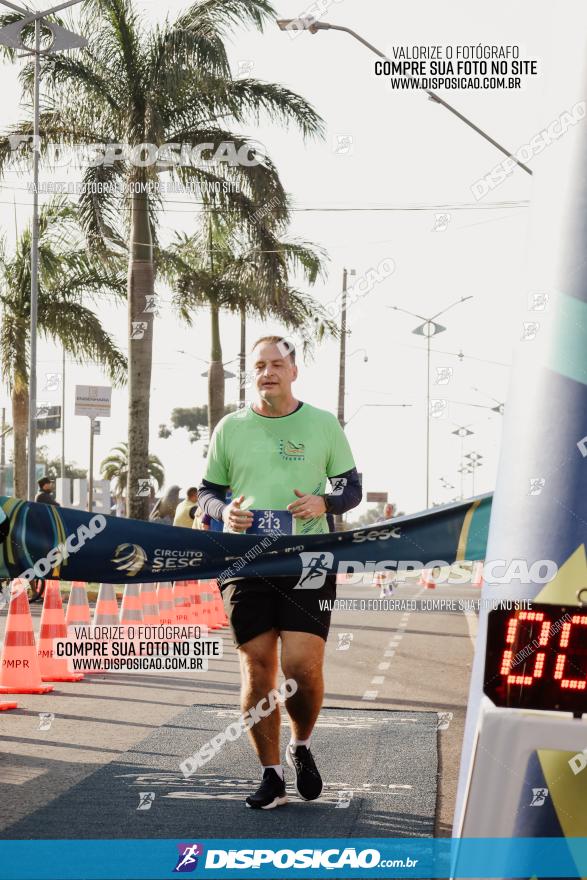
307 506
235 519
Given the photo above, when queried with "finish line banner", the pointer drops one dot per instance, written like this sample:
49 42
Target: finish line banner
39 540
288 857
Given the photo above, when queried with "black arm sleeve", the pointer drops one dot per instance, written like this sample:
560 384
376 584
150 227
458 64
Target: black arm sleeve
346 492
211 498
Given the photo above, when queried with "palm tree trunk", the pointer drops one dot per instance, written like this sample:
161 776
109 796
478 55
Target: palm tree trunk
20 415
241 358
140 354
215 372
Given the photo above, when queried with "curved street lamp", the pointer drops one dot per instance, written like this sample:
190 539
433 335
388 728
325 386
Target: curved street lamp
313 26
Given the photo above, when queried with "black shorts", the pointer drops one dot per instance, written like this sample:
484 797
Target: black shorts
257 605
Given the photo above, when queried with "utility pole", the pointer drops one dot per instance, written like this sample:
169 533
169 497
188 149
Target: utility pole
342 358
338 519
91 470
3 452
56 38
63 417
241 358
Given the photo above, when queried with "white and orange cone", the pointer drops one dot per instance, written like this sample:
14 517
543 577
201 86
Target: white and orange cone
166 604
106 610
53 626
19 666
78 609
182 604
150 605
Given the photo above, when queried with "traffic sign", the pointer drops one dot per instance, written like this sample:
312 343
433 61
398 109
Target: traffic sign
377 496
48 418
93 401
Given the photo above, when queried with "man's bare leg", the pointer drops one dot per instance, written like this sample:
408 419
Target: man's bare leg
258 659
302 659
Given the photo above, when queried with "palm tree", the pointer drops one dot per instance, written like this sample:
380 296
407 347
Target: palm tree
218 269
115 467
67 273
167 85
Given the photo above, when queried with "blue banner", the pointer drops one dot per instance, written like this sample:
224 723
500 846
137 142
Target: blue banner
57 542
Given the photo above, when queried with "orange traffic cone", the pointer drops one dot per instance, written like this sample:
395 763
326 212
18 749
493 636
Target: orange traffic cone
150 605
19 668
182 604
131 610
202 604
196 600
166 604
78 610
106 610
53 626
105 613
209 612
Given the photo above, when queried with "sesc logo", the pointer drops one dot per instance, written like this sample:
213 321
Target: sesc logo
187 859
129 558
377 534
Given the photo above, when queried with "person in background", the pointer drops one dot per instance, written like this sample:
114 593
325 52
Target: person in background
384 580
186 509
201 521
46 493
165 507
388 512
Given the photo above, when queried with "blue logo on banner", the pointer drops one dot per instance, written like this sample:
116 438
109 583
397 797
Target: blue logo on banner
187 860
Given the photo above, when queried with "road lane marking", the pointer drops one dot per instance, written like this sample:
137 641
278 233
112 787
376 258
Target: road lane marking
472 625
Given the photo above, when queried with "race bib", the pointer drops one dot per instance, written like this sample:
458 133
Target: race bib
275 522
265 522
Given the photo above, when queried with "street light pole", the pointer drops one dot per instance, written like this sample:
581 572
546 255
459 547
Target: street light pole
461 432
342 353
63 417
3 452
428 329
11 35
313 26
428 338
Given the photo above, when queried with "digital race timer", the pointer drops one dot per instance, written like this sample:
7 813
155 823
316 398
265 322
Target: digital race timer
537 658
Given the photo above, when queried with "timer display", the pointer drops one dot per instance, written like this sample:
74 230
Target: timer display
537 658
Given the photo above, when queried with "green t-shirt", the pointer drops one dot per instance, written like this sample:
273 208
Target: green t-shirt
265 458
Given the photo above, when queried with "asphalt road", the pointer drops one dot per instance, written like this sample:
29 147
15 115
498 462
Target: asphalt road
378 657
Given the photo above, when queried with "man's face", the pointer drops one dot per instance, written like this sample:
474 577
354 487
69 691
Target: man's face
274 371
48 487
192 496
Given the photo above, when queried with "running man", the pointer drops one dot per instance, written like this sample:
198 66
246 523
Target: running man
278 454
